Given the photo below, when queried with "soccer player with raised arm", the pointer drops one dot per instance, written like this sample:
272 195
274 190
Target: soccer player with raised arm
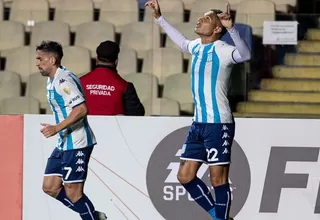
67 167
211 135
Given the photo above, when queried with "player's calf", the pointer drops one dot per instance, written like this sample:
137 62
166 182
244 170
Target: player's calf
219 181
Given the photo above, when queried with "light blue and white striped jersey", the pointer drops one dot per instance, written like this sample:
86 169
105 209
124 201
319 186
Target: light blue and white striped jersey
65 92
211 68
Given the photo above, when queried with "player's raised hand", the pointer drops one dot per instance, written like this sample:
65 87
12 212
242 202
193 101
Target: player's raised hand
225 18
155 8
48 130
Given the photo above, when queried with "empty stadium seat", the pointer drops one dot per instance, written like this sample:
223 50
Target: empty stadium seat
29 12
187 29
172 10
12 37
177 87
37 88
199 9
146 85
161 107
187 4
22 61
74 12
163 62
119 13
76 59
10 84
19 105
254 13
99 32
141 36
127 61
50 30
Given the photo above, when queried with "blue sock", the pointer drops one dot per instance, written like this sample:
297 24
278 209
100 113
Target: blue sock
85 208
201 194
223 201
62 197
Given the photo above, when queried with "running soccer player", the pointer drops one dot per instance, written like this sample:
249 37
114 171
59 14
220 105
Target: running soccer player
211 135
67 167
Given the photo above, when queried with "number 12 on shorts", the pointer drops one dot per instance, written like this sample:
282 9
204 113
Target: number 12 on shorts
212 154
68 169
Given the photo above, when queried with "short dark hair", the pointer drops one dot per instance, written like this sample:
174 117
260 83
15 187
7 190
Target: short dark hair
52 47
108 51
224 30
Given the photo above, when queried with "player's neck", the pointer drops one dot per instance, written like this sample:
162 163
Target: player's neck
209 39
53 73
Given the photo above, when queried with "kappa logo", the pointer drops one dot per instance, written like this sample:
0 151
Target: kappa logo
170 198
80 161
80 169
80 154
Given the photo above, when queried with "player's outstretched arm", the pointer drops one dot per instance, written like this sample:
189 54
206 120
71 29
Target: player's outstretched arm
178 38
242 52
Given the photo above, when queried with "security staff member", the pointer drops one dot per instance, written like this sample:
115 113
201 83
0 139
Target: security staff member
106 92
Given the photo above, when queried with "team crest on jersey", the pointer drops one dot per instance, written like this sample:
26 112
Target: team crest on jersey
67 90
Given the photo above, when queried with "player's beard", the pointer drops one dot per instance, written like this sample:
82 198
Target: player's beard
44 73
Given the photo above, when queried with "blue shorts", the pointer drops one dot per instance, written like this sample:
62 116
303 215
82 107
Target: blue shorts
209 143
71 165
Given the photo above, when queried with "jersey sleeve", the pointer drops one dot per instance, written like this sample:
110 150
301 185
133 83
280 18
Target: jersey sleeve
194 45
227 52
70 92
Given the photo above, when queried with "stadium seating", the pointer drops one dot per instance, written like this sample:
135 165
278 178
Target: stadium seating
29 12
119 14
77 59
148 57
163 62
74 12
91 34
36 88
254 13
10 85
22 61
198 10
161 106
146 85
141 37
50 30
172 10
19 105
12 37
177 87
127 61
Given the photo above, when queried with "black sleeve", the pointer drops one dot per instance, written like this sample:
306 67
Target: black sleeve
131 102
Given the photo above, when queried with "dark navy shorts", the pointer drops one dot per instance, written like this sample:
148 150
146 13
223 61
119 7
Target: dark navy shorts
70 165
209 143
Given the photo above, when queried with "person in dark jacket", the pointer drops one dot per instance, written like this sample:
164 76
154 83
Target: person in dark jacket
106 92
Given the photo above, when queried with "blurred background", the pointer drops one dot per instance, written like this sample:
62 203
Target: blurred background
279 81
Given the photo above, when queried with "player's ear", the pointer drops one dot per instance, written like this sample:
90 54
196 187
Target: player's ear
52 60
217 30
116 62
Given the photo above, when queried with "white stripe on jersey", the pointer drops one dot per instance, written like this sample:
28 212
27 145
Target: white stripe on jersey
65 92
210 75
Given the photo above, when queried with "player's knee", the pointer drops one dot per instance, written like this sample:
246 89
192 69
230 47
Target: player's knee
51 191
185 177
217 180
74 192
